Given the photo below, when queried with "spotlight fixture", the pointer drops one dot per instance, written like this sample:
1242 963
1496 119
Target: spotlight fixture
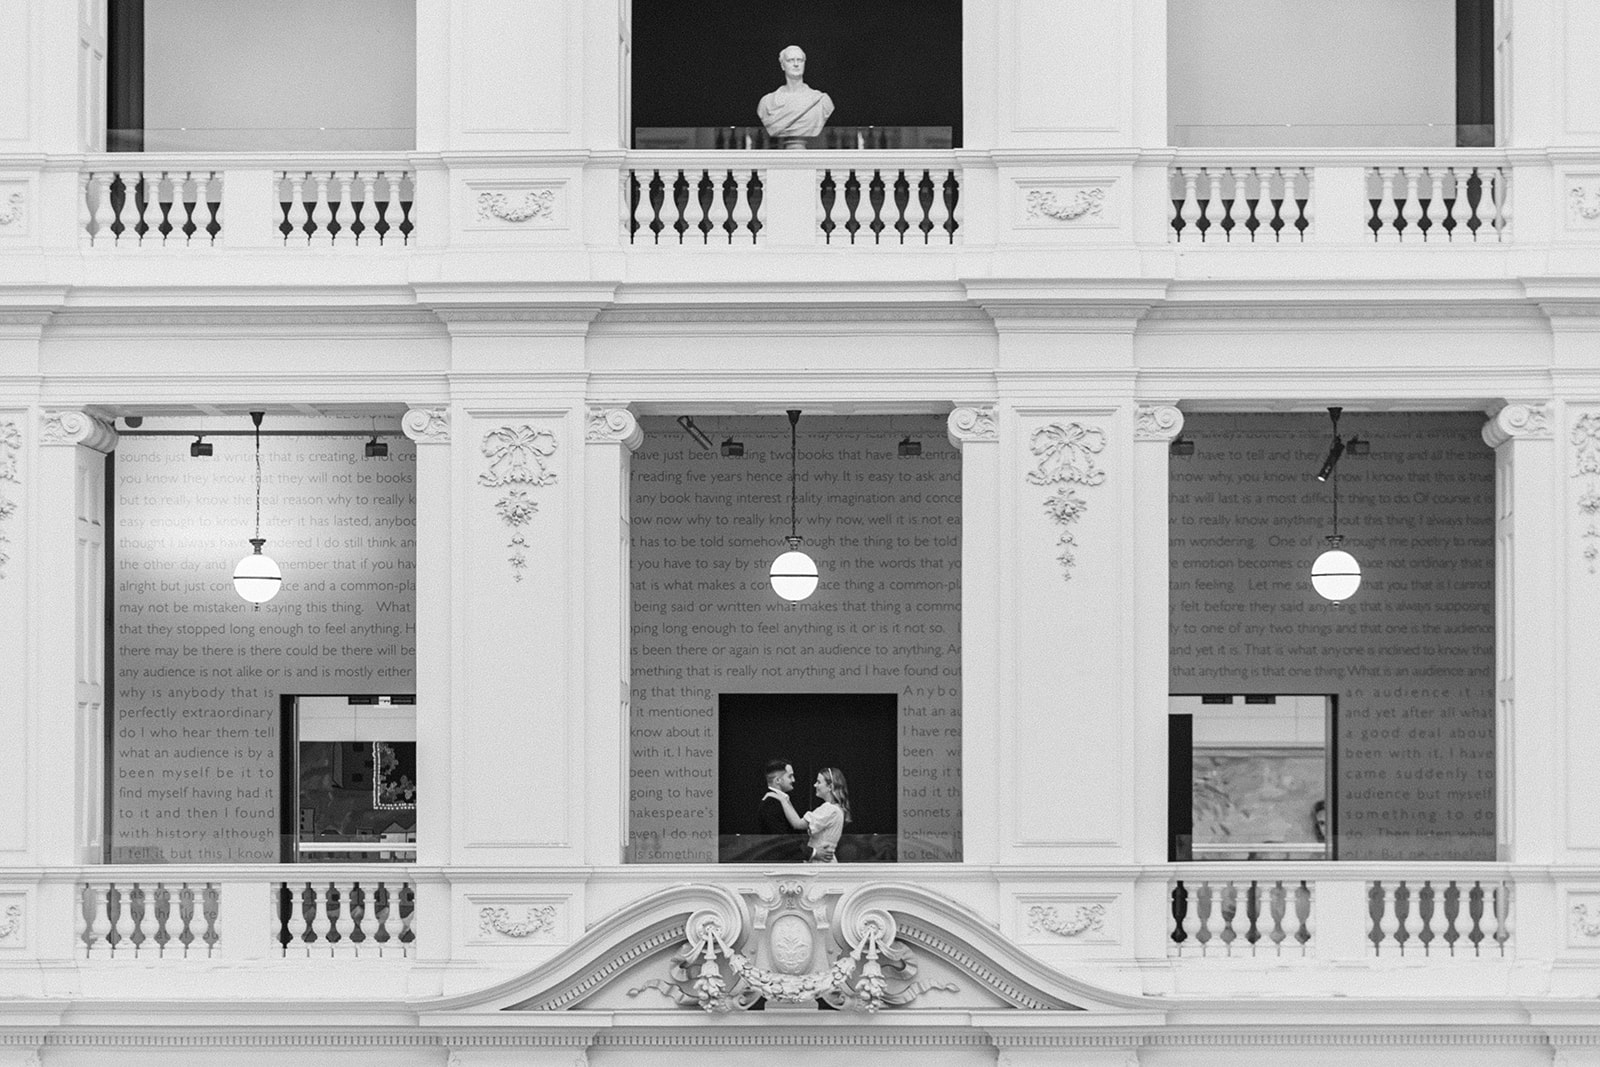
1181 446
257 578
377 449
908 447
793 574
200 447
1357 446
1335 575
694 431
730 447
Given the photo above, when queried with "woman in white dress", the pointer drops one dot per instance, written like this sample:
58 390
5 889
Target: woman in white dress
825 822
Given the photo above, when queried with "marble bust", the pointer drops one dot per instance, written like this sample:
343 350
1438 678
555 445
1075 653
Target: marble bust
794 111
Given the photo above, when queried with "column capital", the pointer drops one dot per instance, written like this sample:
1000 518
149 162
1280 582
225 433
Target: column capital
77 428
1160 422
427 426
968 425
1530 421
613 425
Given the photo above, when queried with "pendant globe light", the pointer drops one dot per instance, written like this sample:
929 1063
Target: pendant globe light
1335 575
257 578
793 574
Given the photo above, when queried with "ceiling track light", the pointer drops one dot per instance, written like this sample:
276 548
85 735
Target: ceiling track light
1181 446
908 447
256 577
200 447
732 448
695 432
793 574
1335 574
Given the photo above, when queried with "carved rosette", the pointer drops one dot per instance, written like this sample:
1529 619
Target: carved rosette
613 425
1586 465
1066 458
972 424
77 428
517 456
427 426
498 920
10 461
1161 423
1084 918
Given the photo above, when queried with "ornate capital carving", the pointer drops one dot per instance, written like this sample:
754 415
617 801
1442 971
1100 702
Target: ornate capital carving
608 425
966 425
77 428
427 426
1160 423
1530 421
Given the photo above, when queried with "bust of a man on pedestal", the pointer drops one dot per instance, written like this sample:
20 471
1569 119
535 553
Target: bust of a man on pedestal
795 111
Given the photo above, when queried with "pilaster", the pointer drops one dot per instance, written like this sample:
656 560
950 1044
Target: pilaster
1528 712
1577 564
67 600
975 430
611 437
1154 428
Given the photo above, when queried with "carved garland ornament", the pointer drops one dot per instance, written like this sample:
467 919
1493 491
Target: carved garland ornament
1066 456
516 459
1043 918
535 204
492 920
10 448
1586 441
1585 923
1584 203
12 213
12 923
1049 204
714 970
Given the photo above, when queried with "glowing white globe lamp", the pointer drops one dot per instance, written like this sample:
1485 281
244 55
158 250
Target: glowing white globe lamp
1336 575
794 574
257 578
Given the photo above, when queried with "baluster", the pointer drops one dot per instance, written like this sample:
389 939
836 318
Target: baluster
1239 921
901 193
185 936
122 923
360 917
657 194
360 211
1489 204
733 198
105 217
1227 221
297 209
188 225
1426 902
329 926
1303 911
1191 918
827 192
405 189
925 205
171 225
1190 212
1410 924
158 908
1387 212
383 205
1258 223
303 908
380 909
1212 921
408 911
852 202
680 204
1276 910
638 206
1411 214
210 908
705 195
322 210
1449 907
98 942
1389 920
1428 217
718 213
876 196
1451 189
952 203
1502 201
1305 201
343 927
1475 936
755 191
1211 210
1502 915
149 189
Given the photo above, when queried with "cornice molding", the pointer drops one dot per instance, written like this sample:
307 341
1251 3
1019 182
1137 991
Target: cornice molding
1299 311
101 318
775 313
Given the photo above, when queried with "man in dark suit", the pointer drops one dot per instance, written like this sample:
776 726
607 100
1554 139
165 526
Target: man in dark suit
787 845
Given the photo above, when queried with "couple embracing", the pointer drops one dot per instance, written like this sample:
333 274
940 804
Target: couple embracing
824 823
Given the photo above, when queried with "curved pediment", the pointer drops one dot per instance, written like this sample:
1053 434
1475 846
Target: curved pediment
795 943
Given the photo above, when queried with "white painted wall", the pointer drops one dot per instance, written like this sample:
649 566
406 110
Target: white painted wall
292 74
1295 72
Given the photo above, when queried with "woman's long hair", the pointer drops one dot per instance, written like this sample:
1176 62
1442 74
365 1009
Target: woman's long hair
841 792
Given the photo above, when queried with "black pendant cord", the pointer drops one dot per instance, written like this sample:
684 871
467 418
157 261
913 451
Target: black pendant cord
1334 477
255 417
794 526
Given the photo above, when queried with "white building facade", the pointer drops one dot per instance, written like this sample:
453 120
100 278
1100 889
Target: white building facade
1121 254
